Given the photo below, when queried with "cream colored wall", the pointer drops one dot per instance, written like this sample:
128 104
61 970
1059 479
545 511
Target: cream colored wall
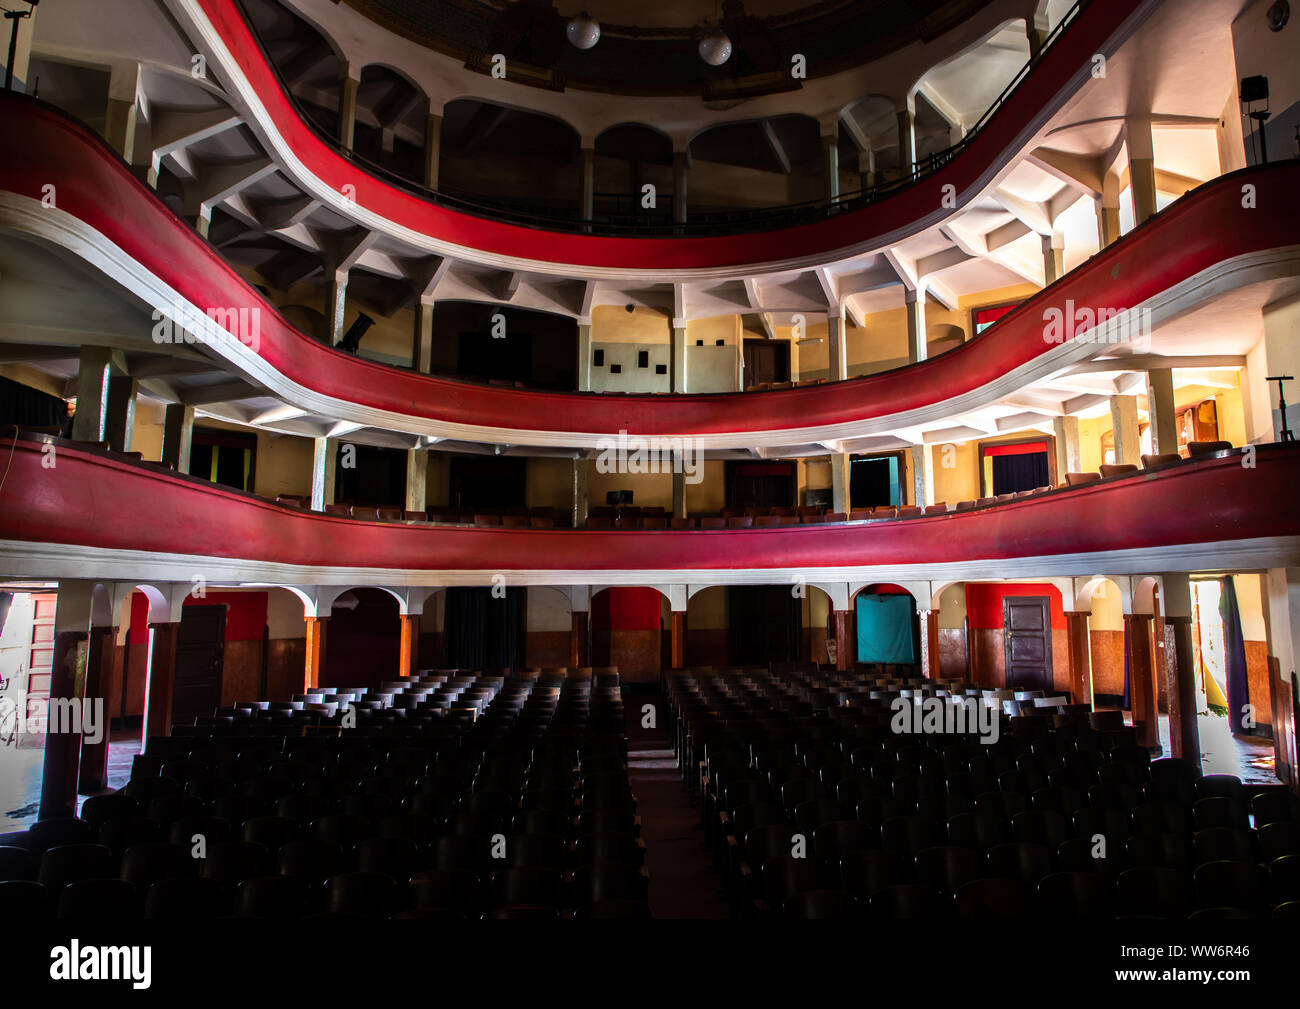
959 481
547 610
284 462
1107 613
147 435
649 490
549 483
1250 603
952 607
708 610
1091 430
26 375
437 481
709 496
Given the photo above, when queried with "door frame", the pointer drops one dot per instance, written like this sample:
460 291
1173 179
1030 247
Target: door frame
1046 603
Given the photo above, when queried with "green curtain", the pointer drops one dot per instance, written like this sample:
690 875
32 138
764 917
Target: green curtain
885 629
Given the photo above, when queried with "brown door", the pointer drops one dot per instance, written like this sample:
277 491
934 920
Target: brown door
766 361
1027 642
200 656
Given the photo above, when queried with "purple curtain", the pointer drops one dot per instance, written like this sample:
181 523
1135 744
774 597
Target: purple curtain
1127 703
1234 654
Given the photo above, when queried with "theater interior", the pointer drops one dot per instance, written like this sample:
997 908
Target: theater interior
766 460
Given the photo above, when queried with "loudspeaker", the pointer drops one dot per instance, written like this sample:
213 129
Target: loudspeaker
1254 89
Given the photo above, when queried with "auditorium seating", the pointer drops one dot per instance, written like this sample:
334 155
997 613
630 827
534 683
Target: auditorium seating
455 794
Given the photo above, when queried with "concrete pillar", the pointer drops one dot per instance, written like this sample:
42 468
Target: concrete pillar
840 619
840 501
422 339
122 115
1160 410
336 305
178 433
325 453
679 494
119 418
1142 685
929 657
315 651
680 379
1079 642
409 638
1124 420
1068 456
348 86
67 690
160 684
681 166
93 375
916 338
1141 167
831 159
1053 259
588 184
1180 669
922 476
906 141
579 477
417 472
677 640
584 357
1108 229
93 773
837 344
432 149
1036 30
579 643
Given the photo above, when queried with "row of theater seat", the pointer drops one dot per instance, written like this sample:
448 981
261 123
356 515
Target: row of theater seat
825 811
525 811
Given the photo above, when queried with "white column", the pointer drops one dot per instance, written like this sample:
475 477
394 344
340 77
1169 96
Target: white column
1068 459
916 342
680 373
840 501
837 344
922 476
1124 421
417 473
1160 410
336 306
325 453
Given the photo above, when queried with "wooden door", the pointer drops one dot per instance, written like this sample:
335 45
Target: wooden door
1027 642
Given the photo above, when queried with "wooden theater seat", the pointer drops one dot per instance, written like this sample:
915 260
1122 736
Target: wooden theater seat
1079 479
1200 448
1118 469
1163 459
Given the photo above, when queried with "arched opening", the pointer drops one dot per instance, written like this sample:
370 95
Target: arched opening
887 633
501 345
363 643
309 66
755 164
627 631
630 157
392 117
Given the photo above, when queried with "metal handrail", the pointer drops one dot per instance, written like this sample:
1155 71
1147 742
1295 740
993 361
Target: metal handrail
726 222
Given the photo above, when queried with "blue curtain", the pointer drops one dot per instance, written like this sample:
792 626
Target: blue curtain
1234 654
885 629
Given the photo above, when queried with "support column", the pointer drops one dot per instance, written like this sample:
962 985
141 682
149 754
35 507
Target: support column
1160 410
432 149
588 184
422 339
831 159
680 380
916 338
584 357
119 418
837 344
325 453
840 501
679 494
1281 596
315 651
677 640
1108 230
1068 457
922 476
929 626
841 619
681 167
1053 259
906 140
1079 642
409 637
123 110
160 685
1124 421
1141 168
92 394
64 710
1142 686
178 433
348 86
579 479
336 305
1036 30
1180 670
93 773
417 475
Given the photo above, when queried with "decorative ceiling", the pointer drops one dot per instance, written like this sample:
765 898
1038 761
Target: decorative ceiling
659 57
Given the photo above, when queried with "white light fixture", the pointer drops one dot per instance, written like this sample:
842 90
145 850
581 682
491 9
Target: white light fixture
583 31
715 48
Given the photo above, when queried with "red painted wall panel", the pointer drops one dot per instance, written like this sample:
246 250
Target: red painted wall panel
984 603
626 609
245 612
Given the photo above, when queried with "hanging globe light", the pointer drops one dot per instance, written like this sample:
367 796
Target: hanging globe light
583 31
715 48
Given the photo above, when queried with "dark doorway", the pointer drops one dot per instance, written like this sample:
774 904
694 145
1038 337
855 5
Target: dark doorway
536 349
1008 467
363 642
200 656
764 625
876 481
1027 642
761 484
488 484
483 630
228 458
376 477
766 361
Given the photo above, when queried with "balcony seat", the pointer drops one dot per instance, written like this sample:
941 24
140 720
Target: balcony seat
1163 459
1118 469
1200 448
713 522
938 508
1079 479
541 522
339 509
910 511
